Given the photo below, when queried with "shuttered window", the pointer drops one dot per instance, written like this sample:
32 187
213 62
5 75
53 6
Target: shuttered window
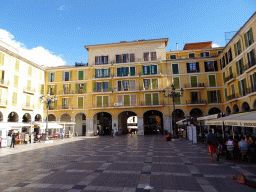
1 58
132 84
148 99
226 94
133 100
42 89
155 99
176 82
132 71
105 101
16 81
80 75
212 81
14 98
177 98
17 65
175 68
126 100
80 102
152 99
193 80
99 101
51 76
29 71
154 84
224 77
233 89
120 99
248 38
29 85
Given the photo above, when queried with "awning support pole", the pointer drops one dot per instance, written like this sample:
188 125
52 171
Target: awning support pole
233 132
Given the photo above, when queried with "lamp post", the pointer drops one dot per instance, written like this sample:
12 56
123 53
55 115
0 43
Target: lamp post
47 100
174 95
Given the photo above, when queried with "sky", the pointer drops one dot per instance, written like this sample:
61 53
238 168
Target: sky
54 32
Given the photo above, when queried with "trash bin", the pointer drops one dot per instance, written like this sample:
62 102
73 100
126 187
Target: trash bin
9 141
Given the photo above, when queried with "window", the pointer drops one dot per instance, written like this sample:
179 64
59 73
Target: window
193 67
193 80
251 58
51 76
224 77
253 81
176 82
233 89
80 103
146 56
17 65
66 75
210 66
81 88
222 62
125 71
29 71
14 98
237 48
205 54
132 57
126 85
1 59
152 99
191 55
16 81
99 73
65 103
218 52
98 87
52 89
242 86
240 67
194 96
125 58
248 37
149 69
80 75
66 88
228 56
105 86
226 94
173 57
101 60
1 77
230 72
175 68
152 56
214 96
177 98
212 81
127 100
102 101
150 84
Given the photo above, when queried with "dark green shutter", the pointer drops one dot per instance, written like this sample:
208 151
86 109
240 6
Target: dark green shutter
76 88
126 100
118 72
94 87
212 80
85 88
239 87
99 101
132 71
110 86
245 86
155 99
251 35
155 69
80 102
105 101
193 80
224 77
242 65
235 49
95 73
230 71
245 40
108 72
142 70
177 99
55 89
175 68
219 96
149 71
148 99
176 82
48 90
237 69
209 97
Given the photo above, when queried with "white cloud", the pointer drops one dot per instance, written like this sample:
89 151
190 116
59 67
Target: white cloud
215 45
38 55
62 8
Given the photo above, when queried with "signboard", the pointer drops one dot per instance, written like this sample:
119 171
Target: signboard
26 137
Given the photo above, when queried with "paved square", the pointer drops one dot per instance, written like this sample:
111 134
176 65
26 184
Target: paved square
123 164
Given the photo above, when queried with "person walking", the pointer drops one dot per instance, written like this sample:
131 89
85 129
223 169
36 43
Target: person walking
13 135
212 143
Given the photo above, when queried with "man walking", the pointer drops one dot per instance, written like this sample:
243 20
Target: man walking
13 135
212 143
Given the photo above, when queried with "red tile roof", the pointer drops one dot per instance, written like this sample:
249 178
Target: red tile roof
200 45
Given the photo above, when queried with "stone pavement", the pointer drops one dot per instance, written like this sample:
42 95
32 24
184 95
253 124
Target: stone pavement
123 164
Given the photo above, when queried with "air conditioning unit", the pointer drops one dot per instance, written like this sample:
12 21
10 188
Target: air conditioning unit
118 104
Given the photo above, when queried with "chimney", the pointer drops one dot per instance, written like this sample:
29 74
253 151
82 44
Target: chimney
177 46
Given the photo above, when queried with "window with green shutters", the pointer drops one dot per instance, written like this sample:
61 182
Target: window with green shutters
1 58
105 101
29 71
176 82
239 88
175 68
248 38
238 48
51 76
148 99
154 84
80 102
224 77
153 69
17 65
80 75
226 94
126 100
193 80
14 98
230 71
42 89
16 81
177 98
132 71
233 89
155 99
212 81
99 101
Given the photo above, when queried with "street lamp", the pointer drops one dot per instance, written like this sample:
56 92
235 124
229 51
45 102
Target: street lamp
47 100
174 95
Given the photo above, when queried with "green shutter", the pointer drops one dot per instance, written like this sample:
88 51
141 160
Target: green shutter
239 45
235 49
108 72
42 89
224 77
239 87
55 89
155 99
155 69
237 69
177 99
154 84
193 80
118 72
126 100
99 101
242 65
55 104
95 73
132 71
176 82
17 65
245 40
219 96
105 101
245 86
16 81
63 88
76 88
148 70
175 68
142 70
69 88
80 102
110 86
226 94
1 59
127 71
48 90
148 99
70 75
251 35
62 102
49 77
14 98
212 80
230 70
209 97
94 87
85 88
80 75
63 76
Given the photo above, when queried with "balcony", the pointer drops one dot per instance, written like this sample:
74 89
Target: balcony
126 76
27 106
66 92
215 100
3 103
29 90
4 83
159 72
127 90
65 107
121 61
249 66
232 97
251 90
152 104
194 86
102 76
122 105
197 56
196 102
150 88
230 78
52 107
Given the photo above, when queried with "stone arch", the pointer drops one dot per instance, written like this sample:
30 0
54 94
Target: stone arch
65 117
235 108
181 110
228 110
214 110
153 121
80 126
245 107
1 116
52 117
103 123
123 125
26 118
195 113
38 117
254 104
154 110
13 117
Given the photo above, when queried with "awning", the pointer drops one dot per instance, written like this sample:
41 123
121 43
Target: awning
183 121
241 119
207 118
14 125
50 125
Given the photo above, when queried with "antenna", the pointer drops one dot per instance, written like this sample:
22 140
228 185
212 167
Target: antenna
229 35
